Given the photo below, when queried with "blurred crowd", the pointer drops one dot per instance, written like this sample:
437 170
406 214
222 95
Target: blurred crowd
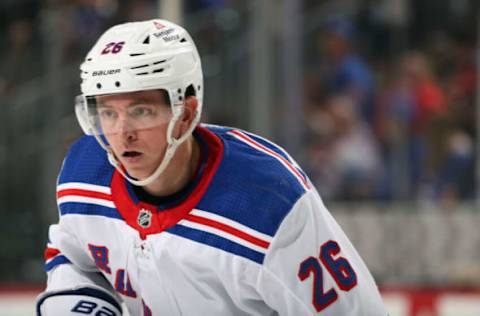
391 127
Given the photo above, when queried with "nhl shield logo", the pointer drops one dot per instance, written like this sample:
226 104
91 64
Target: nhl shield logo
144 218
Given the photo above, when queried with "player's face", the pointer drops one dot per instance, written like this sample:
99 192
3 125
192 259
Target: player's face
135 126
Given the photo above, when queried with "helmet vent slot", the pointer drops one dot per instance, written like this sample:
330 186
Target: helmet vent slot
141 66
158 70
159 62
142 74
183 40
146 40
137 54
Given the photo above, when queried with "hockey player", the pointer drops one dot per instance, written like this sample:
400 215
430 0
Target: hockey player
164 216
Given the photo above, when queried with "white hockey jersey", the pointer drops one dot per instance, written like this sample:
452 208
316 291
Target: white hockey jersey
249 236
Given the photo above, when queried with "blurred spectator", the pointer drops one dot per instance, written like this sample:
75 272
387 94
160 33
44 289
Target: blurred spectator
428 96
393 122
409 107
355 154
342 70
347 164
429 121
21 61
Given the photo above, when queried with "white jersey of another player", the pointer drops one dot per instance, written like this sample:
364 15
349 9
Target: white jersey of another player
250 236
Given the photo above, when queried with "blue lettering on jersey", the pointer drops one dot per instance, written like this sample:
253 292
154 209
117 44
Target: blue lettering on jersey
123 285
100 256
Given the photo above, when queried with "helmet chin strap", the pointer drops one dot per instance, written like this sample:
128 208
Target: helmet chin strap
160 169
173 144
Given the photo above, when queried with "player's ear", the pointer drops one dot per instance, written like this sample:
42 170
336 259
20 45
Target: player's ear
188 114
190 109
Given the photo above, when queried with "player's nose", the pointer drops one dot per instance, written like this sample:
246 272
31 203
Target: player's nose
127 130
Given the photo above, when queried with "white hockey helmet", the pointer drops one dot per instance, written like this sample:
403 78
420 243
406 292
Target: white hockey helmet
137 56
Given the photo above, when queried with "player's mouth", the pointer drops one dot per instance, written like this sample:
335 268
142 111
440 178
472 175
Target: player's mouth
131 156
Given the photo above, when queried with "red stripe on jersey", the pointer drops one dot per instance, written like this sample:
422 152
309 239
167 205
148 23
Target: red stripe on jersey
271 152
84 193
50 253
228 229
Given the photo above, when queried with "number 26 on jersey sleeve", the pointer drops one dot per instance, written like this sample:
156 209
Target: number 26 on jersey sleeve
339 268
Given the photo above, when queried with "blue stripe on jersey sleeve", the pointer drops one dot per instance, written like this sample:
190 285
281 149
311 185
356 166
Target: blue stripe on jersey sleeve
88 209
58 260
217 242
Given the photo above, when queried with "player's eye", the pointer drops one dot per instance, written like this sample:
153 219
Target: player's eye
107 114
142 111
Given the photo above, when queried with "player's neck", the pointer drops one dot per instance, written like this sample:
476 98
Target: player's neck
179 172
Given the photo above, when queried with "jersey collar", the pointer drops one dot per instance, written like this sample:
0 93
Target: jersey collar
137 212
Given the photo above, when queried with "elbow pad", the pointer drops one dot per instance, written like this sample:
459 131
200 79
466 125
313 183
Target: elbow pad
80 301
